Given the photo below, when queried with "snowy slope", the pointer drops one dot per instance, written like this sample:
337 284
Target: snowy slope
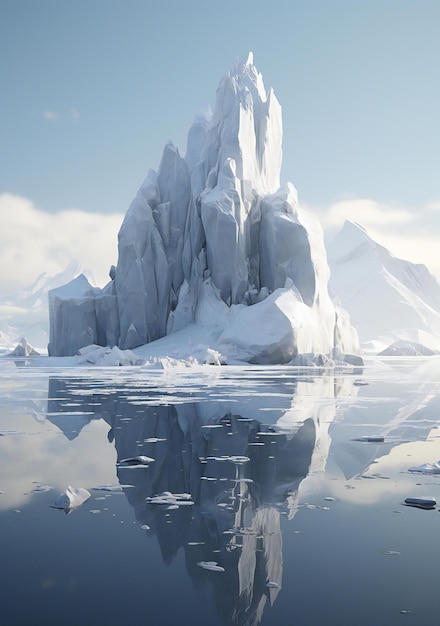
388 299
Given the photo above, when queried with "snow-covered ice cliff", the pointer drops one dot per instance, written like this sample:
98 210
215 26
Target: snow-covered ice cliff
211 240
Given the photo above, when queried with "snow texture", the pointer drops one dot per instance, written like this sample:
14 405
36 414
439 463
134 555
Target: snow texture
388 299
213 239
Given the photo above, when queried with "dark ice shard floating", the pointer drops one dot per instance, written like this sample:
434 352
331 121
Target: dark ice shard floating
422 502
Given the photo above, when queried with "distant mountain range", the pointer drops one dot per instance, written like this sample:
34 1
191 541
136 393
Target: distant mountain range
25 313
388 299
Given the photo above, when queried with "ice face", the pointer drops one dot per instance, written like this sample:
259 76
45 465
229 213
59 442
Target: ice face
216 220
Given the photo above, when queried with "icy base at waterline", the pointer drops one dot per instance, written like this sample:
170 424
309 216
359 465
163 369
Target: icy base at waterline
285 495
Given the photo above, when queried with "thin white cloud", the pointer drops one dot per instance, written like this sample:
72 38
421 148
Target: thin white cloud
50 116
33 241
364 211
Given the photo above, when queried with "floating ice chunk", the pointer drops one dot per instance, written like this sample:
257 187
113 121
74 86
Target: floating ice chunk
135 461
272 585
427 468
41 487
425 502
71 498
169 499
112 488
211 566
145 527
371 439
231 459
153 440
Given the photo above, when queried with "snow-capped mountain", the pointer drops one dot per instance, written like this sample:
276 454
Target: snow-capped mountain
212 240
25 313
388 299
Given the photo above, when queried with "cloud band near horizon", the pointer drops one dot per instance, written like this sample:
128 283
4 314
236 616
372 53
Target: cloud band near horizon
33 241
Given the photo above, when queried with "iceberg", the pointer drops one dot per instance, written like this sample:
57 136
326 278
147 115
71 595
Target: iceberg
212 241
71 498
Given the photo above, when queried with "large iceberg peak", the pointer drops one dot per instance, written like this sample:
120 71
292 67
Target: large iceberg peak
217 222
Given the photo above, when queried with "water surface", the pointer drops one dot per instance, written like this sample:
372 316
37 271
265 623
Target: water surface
299 521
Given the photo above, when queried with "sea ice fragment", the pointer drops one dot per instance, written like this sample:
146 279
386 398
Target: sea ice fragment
425 502
211 565
71 498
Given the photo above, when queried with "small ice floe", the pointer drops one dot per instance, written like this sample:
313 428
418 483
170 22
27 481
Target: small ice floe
426 468
136 461
170 499
41 487
212 566
272 585
232 459
71 498
145 527
154 440
370 439
425 502
390 552
113 488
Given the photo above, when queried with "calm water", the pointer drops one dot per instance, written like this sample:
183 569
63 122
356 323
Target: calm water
305 524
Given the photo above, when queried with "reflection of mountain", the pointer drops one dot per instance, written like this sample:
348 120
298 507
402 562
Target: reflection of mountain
382 411
242 470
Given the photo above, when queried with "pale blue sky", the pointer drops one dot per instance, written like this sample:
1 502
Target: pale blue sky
91 90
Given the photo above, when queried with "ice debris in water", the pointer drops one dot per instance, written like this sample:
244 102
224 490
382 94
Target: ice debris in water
169 499
272 585
233 459
135 461
371 439
211 565
71 498
41 487
154 440
112 488
427 468
425 502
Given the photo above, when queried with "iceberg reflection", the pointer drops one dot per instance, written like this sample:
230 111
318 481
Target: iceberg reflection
242 470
